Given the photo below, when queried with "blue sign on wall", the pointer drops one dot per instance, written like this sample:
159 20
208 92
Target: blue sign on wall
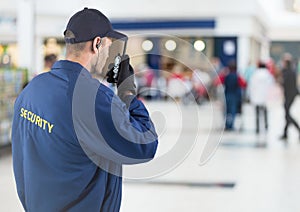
170 24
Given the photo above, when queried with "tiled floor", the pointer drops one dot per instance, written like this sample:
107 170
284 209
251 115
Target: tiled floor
261 172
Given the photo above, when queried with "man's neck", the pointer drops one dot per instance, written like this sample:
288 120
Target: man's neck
83 60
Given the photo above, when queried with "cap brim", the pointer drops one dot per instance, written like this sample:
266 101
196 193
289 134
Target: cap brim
116 35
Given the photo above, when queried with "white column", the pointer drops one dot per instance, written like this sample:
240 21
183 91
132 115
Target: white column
39 55
25 34
244 49
265 50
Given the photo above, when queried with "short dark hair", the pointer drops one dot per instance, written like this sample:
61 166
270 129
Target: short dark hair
288 64
74 48
51 58
261 64
232 65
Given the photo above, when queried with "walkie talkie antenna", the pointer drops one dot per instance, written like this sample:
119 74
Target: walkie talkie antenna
125 46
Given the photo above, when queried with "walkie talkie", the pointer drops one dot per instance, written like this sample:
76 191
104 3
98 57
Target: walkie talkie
117 61
116 66
118 48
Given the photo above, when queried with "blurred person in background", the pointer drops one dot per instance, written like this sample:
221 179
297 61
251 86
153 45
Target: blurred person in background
49 60
233 84
258 89
290 91
248 72
271 66
217 64
176 87
146 82
162 86
201 83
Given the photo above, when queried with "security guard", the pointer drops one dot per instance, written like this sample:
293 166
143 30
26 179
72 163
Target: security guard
71 134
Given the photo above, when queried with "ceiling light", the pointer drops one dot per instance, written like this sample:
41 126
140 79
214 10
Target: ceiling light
170 45
147 45
199 45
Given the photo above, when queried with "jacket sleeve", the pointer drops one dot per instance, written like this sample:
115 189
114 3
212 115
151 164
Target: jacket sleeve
126 134
108 129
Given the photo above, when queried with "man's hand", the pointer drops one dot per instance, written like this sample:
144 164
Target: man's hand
124 79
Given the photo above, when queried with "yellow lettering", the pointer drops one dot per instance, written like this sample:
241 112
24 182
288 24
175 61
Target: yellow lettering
45 122
41 122
25 114
22 112
33 118
37 120
29 116
50 126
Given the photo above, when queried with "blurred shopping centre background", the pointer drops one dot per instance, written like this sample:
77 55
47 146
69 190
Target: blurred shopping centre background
213 32
177 47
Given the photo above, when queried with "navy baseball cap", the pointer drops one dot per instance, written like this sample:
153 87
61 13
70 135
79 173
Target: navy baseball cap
88 24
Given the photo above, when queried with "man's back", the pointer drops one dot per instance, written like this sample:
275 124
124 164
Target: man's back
51 168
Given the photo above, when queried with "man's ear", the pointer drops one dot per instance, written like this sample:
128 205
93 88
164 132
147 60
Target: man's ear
96 44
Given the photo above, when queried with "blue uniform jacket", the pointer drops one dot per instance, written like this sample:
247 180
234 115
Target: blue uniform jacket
62 160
